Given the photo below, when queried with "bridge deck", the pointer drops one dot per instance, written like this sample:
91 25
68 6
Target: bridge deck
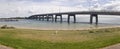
86 12
91 13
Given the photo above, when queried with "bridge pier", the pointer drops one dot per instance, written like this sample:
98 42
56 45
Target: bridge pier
74 17
39 17
35 17
96 18
50 16
43 17
57 16
31 17
47 17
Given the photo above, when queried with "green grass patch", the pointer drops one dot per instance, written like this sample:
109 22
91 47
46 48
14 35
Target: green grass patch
61 39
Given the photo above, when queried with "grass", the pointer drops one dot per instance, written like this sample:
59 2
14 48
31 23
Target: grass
69 39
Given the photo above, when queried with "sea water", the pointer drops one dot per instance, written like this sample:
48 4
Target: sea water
83 21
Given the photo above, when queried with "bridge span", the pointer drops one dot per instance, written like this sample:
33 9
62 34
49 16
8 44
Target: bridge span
54 16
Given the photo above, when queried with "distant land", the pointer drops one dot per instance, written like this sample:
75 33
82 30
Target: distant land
12 18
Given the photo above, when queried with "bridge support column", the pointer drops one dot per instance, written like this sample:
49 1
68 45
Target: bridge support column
74 19
91 19
69 15
47 17
50 16
57 16
35 17
32 17
61 18
43 18
96 18
68 19
39 17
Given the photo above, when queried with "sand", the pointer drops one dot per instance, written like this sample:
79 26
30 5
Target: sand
5 47
87 28
117 46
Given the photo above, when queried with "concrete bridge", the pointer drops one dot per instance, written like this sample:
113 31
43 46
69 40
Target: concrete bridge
54 16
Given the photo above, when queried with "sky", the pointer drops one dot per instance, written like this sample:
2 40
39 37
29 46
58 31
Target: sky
25 8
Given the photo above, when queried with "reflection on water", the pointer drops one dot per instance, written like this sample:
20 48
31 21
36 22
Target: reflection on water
82 22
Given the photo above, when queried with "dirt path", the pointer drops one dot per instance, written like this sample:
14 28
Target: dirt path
4 47
117 46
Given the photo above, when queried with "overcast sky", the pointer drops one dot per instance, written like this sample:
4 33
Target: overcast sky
22 8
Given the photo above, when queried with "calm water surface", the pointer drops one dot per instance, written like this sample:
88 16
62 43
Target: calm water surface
82 22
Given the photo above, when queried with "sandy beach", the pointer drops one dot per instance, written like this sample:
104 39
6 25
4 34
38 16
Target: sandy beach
87 28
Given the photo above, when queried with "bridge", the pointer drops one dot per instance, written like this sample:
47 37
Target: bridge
54 16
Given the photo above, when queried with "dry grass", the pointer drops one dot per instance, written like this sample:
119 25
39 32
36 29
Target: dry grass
51 39
62 36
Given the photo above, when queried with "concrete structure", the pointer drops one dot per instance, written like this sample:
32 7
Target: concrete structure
73 14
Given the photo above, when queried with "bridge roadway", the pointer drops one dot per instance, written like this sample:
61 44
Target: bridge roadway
54 16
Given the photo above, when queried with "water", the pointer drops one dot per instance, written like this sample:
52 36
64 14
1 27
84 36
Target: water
82 22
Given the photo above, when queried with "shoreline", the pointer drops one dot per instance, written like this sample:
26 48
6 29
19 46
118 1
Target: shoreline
82 28
87 28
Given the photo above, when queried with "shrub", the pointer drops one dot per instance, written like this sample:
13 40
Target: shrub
4 27
7 27
92 31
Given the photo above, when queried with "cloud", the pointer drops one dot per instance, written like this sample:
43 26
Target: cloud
113 5
21 9
15 8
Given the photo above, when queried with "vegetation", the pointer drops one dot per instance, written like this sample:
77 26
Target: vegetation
69 39
7 27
